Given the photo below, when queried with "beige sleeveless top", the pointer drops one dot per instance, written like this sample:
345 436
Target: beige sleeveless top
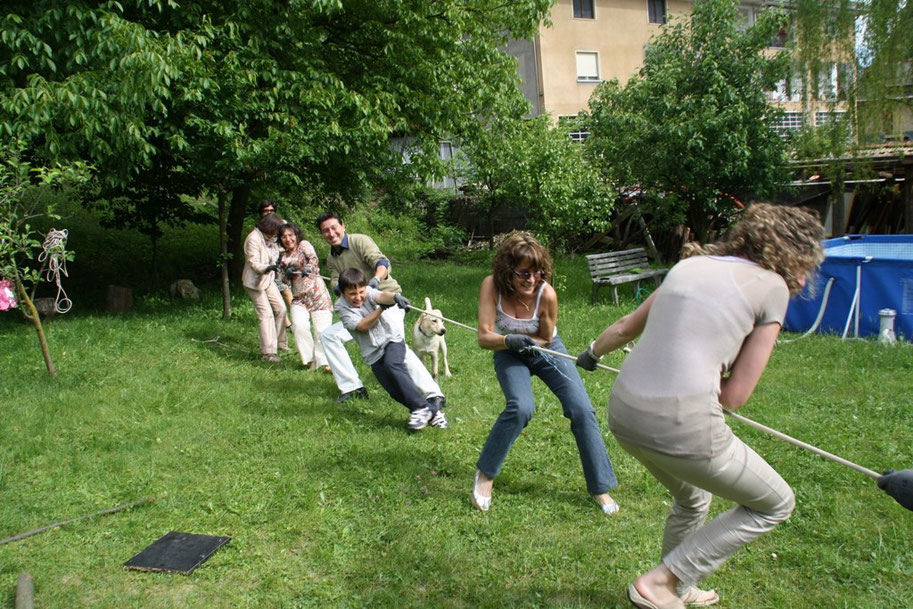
666 397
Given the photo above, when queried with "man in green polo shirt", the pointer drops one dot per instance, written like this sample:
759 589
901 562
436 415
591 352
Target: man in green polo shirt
353 250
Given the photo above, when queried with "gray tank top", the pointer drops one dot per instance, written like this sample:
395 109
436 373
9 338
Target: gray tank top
506 324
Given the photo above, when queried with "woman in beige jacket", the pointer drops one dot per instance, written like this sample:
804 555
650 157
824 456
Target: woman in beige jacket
260 264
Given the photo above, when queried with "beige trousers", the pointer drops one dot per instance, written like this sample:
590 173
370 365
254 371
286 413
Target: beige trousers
693 550
305 322
270 309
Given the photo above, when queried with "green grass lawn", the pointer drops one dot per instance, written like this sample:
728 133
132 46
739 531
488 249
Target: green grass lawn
338 506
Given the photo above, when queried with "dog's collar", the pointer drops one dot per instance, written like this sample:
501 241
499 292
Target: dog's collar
432 335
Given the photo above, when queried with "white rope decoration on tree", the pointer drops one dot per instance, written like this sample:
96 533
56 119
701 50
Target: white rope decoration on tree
54 257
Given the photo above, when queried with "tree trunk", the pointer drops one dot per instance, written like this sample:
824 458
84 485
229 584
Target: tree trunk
697 221
648 238
223 251
155 256
239 198
35 319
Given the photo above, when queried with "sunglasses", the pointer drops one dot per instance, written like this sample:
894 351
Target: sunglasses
526 275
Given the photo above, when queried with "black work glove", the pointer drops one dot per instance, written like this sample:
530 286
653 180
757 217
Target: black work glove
588 359
304 272
374 283
402 302
898 485
521 343
272 267
292 270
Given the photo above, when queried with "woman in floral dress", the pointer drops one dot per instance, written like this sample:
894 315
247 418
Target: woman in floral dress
311 303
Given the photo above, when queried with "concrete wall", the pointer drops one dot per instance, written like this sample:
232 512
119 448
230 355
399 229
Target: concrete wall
618 34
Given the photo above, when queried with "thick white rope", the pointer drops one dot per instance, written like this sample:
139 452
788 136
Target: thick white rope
54 254
456 323
745 420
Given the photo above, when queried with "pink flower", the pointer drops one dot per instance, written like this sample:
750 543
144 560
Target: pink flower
7 297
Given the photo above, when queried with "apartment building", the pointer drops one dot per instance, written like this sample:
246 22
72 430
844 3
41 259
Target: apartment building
590 41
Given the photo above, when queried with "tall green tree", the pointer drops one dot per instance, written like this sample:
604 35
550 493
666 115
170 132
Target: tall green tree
873 42
317 90
692 127
257 94
529 164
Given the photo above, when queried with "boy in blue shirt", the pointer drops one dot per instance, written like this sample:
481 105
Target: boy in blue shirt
382 346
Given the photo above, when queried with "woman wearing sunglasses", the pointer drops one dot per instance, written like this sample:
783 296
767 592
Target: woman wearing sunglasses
518 310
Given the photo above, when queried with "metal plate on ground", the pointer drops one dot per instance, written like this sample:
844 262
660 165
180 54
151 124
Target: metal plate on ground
176 553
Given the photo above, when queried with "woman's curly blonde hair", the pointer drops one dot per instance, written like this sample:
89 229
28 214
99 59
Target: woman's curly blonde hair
516 250
785 240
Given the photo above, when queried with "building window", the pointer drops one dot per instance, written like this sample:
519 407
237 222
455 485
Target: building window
657 10
826 82
828 118
787 90
780 39
587 66
584 9
575 131
788 121
578 137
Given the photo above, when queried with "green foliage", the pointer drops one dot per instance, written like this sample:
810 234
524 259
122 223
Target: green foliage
528 164
693 124
886 64
247 96
117 256
819 142
83 82
872 42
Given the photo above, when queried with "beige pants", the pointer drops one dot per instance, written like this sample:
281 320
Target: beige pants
270 309
693 550
305 322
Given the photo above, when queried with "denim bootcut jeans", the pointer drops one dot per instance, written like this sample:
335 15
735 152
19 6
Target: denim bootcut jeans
515 371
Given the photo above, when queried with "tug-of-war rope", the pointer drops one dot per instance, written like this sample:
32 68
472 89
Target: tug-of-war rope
897 484
901 480
54 263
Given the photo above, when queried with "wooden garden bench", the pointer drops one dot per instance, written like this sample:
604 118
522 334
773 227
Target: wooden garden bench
617 268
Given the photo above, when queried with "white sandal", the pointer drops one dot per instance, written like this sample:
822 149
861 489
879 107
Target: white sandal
607 508
479 501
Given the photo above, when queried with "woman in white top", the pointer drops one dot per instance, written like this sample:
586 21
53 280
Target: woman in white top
517 310
706 336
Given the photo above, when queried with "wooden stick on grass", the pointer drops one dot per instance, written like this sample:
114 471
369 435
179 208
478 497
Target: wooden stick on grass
116 508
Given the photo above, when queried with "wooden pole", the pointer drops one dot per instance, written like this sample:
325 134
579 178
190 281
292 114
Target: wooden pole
116 508
908 196
25 592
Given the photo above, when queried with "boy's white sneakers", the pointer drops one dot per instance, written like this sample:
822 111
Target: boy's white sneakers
419 418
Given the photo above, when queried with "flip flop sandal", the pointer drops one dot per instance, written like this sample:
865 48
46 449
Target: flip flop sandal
695 597
638 600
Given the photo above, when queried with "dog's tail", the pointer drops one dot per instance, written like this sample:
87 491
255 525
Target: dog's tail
427 304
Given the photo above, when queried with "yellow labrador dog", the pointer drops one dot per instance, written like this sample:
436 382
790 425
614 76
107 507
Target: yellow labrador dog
428 338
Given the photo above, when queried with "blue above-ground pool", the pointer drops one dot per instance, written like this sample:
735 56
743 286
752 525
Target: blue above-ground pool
861 275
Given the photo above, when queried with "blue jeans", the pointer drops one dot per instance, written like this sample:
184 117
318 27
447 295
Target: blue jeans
393 375
515 372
